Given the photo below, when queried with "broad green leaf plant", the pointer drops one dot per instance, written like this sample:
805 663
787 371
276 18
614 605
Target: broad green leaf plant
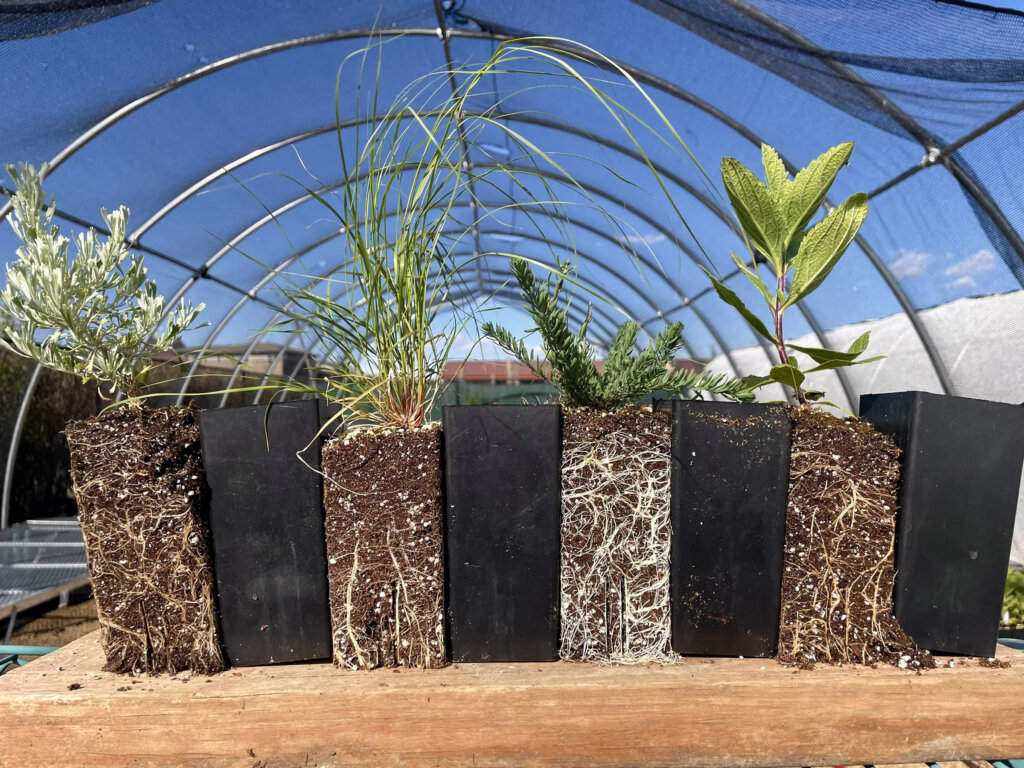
568 359
93 315
774 216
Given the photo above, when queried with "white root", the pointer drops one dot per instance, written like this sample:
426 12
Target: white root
616 539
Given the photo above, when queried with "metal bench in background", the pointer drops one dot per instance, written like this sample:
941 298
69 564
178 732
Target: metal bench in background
14 655
40 560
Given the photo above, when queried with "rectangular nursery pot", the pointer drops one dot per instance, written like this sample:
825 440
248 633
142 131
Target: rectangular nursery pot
138 479
730 476
502 531
961 471
267 529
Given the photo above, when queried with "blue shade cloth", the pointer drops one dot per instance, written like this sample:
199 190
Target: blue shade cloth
234 119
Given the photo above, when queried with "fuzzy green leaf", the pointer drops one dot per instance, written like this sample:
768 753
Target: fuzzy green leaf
860 344
756 382
755 209
787 374
729 296
825 355
807 192
774 173
754 278
827 366
824 244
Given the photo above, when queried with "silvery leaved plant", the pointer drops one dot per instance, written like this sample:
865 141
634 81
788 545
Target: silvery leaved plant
774 217
95 315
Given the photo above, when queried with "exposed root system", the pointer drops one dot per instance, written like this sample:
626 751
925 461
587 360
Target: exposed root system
616 535
382 498
838 565
139 483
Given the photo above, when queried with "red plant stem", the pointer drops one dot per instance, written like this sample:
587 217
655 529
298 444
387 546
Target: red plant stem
780 342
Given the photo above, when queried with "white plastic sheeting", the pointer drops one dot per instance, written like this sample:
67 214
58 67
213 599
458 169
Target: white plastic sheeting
976 337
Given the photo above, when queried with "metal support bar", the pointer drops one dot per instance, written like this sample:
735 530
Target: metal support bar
11 619
937 155
12 454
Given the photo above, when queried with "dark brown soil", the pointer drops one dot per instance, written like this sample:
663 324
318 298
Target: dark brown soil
994 663
616 534
138 479
382 498
838 565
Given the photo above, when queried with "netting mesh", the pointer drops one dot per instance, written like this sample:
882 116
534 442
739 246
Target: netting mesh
190 113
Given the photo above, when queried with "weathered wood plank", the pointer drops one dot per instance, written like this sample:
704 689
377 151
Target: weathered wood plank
731 712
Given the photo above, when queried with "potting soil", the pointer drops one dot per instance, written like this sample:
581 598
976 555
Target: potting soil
838 562
138 479
382 499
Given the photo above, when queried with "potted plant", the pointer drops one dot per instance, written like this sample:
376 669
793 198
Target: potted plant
837 564
961 470
267 531
137 473
385 319
616 531
382 484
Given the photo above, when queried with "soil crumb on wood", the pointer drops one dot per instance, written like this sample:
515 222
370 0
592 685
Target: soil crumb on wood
838 563
616 535
138 479
382 499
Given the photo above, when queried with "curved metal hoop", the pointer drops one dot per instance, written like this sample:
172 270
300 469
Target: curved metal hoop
640 75
955 165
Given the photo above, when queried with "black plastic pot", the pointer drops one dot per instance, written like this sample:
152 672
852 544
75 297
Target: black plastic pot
502 517
267 531
730 476
961 470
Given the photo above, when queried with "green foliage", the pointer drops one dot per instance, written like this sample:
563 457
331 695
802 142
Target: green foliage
1013 599
387 316
774 217
97 313
568 363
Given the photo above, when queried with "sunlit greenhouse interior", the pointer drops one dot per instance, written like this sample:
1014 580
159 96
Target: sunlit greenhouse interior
590 138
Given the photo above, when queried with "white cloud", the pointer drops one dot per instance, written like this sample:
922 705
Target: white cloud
961 274
651 238
962 282
910 264
466 344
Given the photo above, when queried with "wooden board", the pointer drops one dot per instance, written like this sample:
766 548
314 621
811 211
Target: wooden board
727 712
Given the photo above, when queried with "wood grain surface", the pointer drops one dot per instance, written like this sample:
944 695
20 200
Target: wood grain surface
61 710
